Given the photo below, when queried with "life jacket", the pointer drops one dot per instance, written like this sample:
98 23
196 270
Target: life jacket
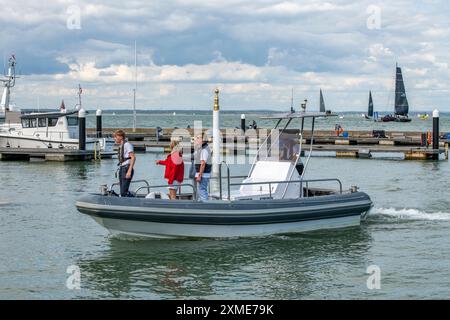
197 156
121 154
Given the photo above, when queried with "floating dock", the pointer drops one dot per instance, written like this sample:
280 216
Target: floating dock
358 144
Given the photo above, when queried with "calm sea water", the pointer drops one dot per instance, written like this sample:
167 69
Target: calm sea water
406 236
181 119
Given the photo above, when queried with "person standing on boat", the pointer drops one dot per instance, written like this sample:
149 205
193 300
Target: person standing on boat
174 172
202 162
127 159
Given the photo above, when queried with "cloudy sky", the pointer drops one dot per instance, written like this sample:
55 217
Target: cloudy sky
254 51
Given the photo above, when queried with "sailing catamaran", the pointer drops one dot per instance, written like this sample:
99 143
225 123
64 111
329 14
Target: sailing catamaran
401 102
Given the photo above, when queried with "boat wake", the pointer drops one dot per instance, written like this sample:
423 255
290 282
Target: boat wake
410 214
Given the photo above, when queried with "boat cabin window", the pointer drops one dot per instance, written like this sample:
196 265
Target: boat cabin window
42 122
72 121
52 122
25 123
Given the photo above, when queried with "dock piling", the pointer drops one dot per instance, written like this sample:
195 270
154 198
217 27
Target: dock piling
436 133
82 130
98 115
243 122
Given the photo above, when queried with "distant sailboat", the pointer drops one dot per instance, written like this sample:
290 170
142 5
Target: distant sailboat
369 114
322 106
322 102
401 101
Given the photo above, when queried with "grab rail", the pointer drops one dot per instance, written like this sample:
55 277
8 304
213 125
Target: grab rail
228 180
148 187
137 181
229 177
288 182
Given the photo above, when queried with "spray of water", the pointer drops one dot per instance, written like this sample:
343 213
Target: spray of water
410 214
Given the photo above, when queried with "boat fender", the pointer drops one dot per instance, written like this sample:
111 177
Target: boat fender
157 195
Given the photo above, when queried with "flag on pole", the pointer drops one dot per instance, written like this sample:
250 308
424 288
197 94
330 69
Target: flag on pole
80 91
62 108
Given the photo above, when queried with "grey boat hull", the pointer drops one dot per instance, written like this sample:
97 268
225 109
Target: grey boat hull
156 218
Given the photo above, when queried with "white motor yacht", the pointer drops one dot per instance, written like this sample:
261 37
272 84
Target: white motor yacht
41 129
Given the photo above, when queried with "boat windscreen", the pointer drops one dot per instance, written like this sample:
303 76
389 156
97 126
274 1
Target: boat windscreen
280 146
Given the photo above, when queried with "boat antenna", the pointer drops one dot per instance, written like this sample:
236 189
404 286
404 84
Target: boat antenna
8 83
135 87
292 101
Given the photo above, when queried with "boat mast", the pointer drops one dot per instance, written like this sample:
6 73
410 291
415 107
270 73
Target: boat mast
135 87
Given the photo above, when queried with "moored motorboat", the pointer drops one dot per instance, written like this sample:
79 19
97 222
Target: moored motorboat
47 130
274 198
41 130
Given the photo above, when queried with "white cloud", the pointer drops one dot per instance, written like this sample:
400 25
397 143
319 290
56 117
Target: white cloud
255 50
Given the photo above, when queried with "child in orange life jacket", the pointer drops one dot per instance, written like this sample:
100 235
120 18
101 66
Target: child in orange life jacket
174 172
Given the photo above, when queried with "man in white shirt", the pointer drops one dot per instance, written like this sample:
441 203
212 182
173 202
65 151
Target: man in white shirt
127 160
202 161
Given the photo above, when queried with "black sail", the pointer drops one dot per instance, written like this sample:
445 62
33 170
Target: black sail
370 111
401 102
322 102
